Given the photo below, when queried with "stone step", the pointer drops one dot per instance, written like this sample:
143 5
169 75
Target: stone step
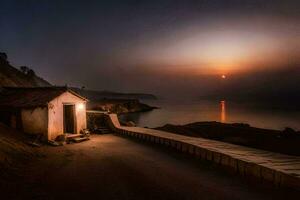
76 138
70 135
79 139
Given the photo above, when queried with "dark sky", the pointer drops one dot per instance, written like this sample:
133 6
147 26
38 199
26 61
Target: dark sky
178 48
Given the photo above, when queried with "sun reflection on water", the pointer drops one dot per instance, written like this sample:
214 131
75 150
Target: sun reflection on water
223 111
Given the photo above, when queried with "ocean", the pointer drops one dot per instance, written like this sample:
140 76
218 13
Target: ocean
184 112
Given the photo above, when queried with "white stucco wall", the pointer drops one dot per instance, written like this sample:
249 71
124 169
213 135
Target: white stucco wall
56 116
35 121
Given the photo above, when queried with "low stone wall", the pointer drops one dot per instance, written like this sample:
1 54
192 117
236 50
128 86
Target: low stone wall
248 162
95 119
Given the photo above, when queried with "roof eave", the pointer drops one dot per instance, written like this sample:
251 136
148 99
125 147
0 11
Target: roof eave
76 94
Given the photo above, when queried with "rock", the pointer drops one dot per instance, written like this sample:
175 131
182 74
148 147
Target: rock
85 132
54 143
34 144
130 123
60 138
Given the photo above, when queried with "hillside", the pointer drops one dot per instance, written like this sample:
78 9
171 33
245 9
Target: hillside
12 77
100 100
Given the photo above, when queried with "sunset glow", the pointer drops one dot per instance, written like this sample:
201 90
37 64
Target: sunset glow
89 90
186 44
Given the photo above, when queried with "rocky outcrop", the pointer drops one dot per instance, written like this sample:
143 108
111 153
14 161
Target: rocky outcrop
115 102
99 95
119 106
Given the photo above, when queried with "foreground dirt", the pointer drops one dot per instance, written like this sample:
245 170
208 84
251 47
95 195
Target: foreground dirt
14 150
111 167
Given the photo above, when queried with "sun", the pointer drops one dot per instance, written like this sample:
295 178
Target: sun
223 76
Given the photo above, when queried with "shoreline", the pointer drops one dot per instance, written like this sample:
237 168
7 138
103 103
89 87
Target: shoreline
281 141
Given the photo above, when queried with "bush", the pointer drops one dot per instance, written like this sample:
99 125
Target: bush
27 71
3 56
288 133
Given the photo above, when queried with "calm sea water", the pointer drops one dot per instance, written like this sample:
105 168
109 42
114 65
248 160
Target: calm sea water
223 111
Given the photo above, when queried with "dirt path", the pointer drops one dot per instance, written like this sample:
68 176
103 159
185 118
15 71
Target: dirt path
111 167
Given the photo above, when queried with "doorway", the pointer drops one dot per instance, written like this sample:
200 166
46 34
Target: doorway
69 119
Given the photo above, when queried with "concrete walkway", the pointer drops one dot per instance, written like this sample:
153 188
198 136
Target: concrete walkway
279 169
110 167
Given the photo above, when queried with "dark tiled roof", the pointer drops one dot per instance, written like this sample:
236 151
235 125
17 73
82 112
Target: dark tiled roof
24 97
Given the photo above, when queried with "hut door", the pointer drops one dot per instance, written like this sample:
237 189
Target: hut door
69 118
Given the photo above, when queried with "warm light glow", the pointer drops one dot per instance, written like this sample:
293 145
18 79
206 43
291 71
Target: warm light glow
223 111
223 76
80 106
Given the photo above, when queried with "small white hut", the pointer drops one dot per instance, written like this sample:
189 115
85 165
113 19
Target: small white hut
48 111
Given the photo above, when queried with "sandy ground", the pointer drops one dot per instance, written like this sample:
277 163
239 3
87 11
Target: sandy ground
112 167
